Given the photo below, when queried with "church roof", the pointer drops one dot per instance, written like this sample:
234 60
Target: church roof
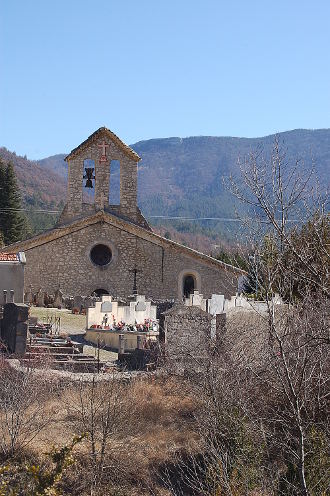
119 223
98 134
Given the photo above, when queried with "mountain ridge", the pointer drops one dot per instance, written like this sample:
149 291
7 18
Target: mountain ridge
178 176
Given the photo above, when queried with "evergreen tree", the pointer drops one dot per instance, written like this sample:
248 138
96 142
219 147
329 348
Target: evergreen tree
2 200
13 224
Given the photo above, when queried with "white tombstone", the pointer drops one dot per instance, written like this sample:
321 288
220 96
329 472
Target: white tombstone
106 307
216 304
136 311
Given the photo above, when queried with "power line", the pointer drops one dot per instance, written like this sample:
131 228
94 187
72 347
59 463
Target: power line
220 219
40 210
225 219
165 217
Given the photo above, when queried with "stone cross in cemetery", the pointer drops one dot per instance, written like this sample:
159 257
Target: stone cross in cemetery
58 298
135 271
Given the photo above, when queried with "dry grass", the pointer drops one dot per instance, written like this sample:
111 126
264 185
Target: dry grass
159 422
70 323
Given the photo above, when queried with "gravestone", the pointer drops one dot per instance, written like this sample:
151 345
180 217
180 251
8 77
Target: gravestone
58 298
89 302
106 306
68 302
14 327
78 302
40 299
28 298
140 306
216 304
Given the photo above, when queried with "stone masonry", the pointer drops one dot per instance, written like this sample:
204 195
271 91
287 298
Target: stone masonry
159 268
91 149
65 262
187 333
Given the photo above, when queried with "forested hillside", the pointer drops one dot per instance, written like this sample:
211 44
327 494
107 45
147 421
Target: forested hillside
41 189
179 177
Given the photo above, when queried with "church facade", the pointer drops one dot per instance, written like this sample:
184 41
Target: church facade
105 248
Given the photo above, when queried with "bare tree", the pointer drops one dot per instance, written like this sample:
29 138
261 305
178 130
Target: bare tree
290 235
264 390
23 411
100 410
277 196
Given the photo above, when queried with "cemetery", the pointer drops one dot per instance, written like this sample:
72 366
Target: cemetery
119 326
135 328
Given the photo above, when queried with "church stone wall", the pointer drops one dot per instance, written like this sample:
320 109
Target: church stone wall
65 262
75 177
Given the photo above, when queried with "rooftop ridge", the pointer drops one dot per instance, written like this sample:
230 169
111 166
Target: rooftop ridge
127 150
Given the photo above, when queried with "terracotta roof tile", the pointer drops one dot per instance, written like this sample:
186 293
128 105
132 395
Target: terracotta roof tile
9 257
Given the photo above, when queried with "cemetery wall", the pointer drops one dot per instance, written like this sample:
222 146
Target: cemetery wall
187 332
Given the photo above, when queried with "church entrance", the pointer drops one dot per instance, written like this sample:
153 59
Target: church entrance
188 285
99 292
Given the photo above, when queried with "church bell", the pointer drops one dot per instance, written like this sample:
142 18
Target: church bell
89 177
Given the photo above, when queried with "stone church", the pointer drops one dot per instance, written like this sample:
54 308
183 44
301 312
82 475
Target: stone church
111 249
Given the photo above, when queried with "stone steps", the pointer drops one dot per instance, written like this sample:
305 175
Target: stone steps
68 350
60 354
86 365
57 356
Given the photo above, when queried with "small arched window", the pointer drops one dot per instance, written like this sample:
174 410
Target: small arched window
189 285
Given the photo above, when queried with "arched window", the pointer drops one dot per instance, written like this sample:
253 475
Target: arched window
189 280
114 186
89 181
189 284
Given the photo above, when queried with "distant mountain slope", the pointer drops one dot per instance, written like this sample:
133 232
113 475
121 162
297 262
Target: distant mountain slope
55 163
41 186
183 176
179 177
187 173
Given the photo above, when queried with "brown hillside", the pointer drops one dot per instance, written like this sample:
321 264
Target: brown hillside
39 185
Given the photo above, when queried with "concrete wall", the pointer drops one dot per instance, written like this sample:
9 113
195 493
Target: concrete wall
12 278
110 339
66 262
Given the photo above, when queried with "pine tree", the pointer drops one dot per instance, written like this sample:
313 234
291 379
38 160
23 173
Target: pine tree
2 200
14 224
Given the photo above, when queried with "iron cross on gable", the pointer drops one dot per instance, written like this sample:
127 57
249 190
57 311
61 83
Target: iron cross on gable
104 147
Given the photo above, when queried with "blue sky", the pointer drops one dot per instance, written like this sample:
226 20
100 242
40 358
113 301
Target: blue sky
160 68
